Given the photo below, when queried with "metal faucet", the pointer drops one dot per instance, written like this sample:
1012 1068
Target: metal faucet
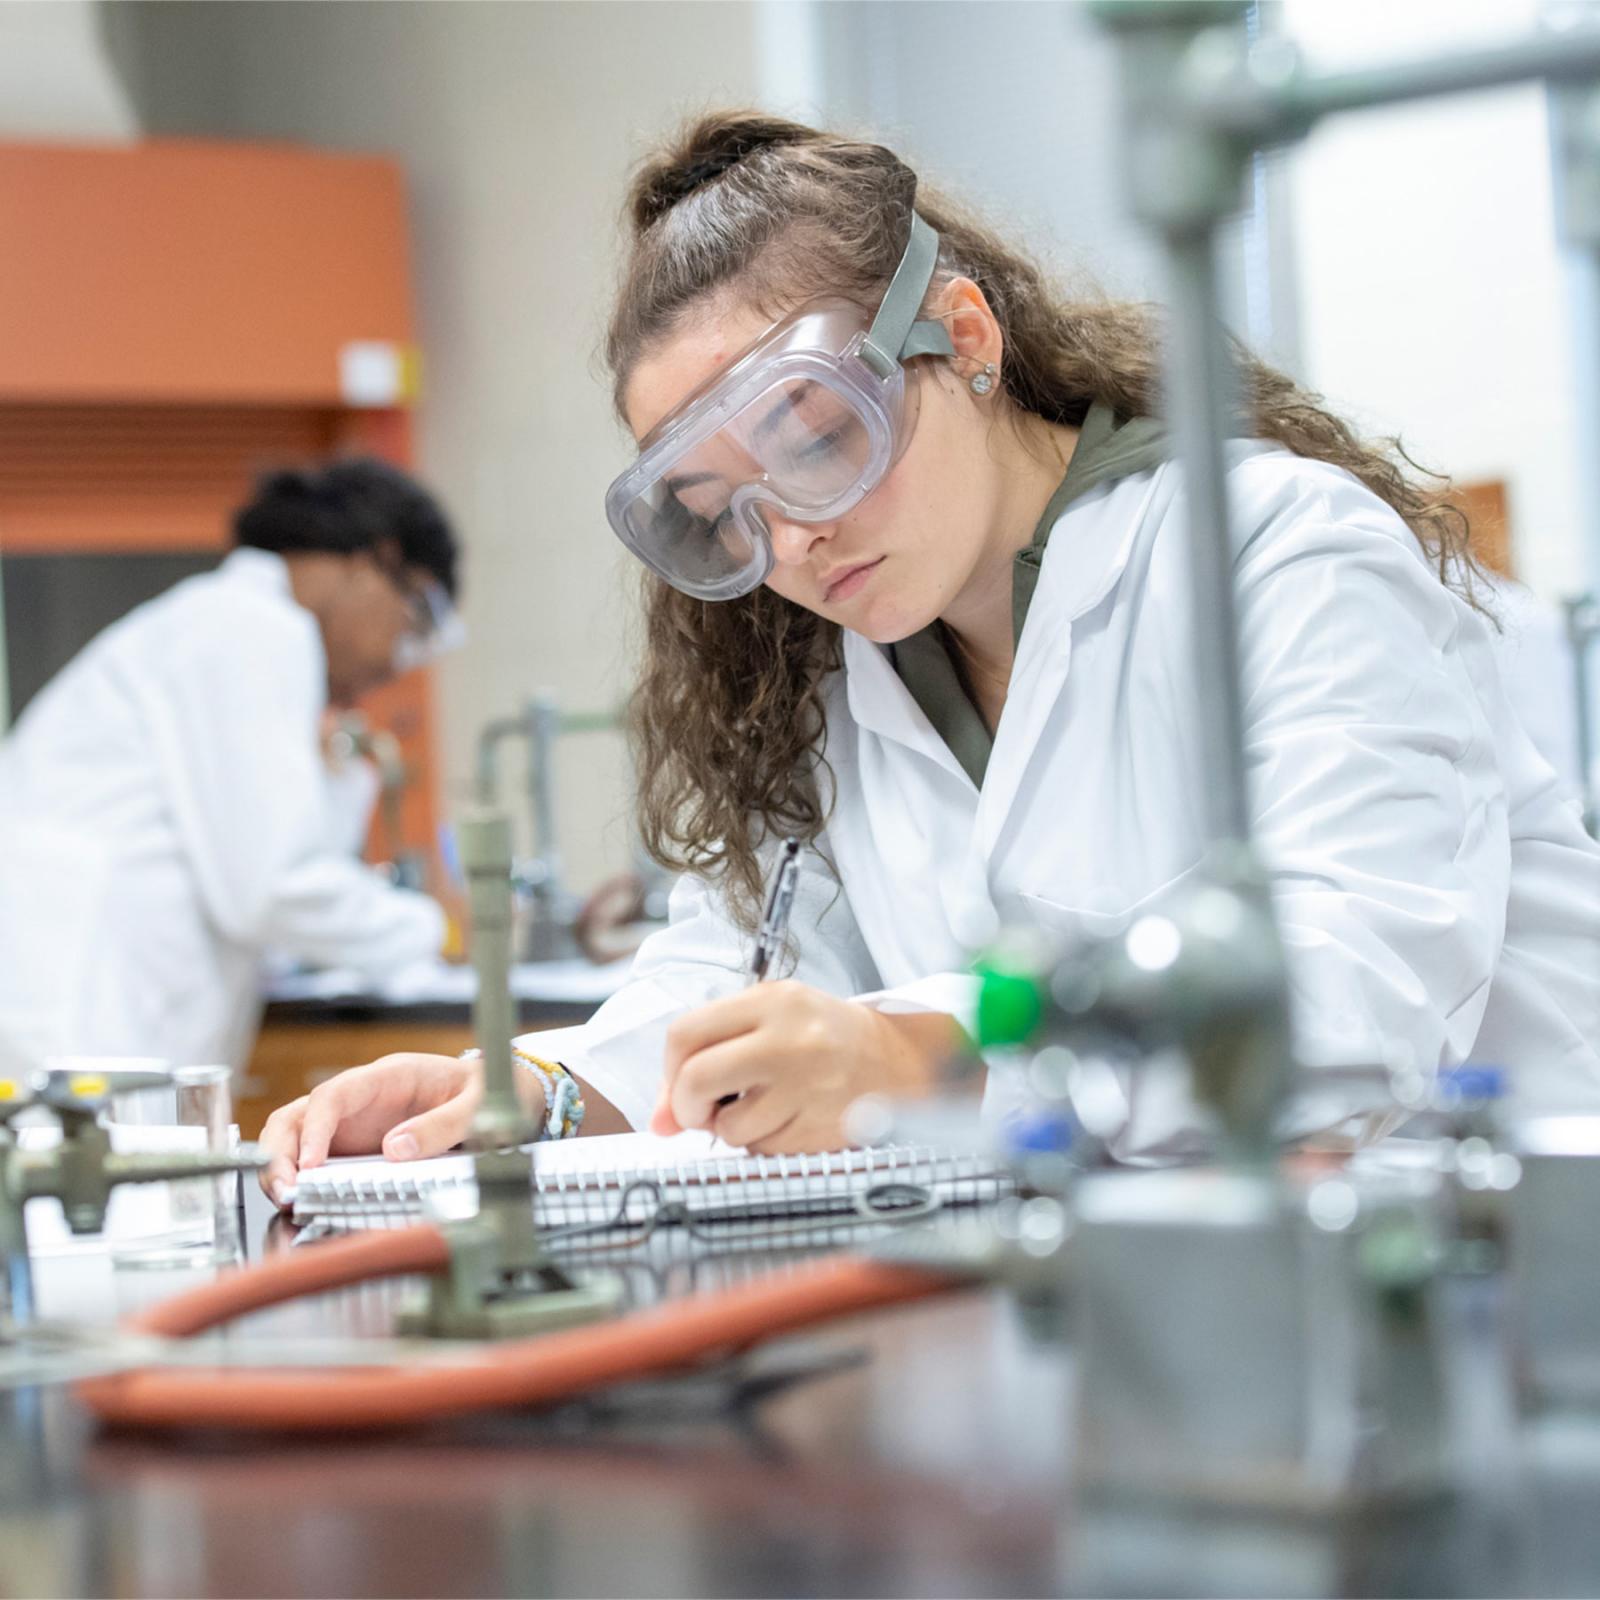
553 908
1326 1286
83 1169
355 736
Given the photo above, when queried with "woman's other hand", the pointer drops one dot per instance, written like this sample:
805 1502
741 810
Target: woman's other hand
407 1105
796 1058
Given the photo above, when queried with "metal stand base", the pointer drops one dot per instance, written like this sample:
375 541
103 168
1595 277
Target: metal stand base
471 1299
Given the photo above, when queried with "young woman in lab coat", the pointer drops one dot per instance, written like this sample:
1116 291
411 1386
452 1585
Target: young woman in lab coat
946 642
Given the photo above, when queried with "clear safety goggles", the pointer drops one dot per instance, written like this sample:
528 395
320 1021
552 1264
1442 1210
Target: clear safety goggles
435 626
805 424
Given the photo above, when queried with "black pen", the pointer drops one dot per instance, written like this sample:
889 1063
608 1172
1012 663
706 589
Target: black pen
775 919
774 923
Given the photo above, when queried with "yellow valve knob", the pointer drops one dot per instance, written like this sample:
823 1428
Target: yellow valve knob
88 1085
8 1089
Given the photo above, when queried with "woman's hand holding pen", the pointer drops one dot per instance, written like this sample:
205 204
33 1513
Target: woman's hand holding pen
796 1058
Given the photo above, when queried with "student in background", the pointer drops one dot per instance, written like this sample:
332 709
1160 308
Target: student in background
164 803
920 597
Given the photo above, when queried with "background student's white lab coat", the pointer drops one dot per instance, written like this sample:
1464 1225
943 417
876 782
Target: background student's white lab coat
1437 895
164 818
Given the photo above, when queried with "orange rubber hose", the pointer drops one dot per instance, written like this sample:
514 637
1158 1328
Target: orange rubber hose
524 1372
339 1264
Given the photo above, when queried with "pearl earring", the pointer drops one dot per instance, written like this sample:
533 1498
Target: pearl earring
983 382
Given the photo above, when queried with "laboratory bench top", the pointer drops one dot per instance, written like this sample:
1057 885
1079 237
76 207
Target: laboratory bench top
545 992
318 1023
915 1452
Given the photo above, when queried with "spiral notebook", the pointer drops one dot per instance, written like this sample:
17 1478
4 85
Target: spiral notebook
631 1183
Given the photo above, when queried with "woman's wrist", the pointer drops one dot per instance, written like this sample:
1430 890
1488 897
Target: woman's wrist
915 1048
563 1095
547 1090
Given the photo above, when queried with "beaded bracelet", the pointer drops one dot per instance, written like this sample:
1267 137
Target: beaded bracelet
563 1095
563 1098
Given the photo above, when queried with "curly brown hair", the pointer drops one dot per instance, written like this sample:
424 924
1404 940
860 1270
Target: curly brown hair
727 719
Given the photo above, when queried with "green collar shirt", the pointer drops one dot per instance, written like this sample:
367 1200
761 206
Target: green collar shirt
925 661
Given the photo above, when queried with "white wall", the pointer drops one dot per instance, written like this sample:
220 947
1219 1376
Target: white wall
1009 103
1431 291
56 82
517 124
55 79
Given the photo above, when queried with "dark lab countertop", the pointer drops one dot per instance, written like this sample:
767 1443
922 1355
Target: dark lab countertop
918 1452
369 1010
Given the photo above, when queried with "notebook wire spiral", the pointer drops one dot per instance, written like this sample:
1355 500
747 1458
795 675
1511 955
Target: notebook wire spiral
723 1198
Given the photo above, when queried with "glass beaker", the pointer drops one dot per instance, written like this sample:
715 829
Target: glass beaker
202 1225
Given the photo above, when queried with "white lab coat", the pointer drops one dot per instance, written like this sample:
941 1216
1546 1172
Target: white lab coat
164 818
1534 653
1437 895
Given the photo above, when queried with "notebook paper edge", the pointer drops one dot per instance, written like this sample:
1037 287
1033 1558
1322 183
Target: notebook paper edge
602 1165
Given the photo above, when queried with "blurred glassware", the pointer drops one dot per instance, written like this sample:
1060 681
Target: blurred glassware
194 1111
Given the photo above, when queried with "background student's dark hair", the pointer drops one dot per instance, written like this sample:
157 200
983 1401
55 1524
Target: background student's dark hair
728 717
354 504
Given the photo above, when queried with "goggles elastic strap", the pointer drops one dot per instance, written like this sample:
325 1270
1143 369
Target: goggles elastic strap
895 332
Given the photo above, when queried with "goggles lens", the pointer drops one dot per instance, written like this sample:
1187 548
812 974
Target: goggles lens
808 442
701 552
435 626
800 439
